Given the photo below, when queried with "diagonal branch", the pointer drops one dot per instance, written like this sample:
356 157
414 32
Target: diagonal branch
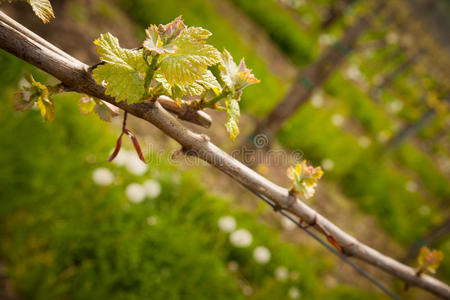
76 76
183 111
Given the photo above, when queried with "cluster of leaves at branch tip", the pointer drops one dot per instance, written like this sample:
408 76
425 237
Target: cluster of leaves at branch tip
42 8
429 260
175 61
31 93
304 179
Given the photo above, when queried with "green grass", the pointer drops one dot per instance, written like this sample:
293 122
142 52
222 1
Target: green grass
282 28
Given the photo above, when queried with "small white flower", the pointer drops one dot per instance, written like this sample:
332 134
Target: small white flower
337 120
135 192
152 220
411 186
281 273
364 141
233 266
135 166
241 238
317 100
227 223
261 255
294 293
152 188
287 224
327 164
103 176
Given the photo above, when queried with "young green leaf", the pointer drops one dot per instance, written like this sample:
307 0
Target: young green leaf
191 57
233 114
124 71
43 9
159 37
86 105
33 92
429 260
47 108
235 77
304 179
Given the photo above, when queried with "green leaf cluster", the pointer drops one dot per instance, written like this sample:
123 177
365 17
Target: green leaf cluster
175 61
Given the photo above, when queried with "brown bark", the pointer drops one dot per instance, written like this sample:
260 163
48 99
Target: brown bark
335 13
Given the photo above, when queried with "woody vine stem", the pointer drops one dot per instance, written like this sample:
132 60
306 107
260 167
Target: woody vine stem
77 76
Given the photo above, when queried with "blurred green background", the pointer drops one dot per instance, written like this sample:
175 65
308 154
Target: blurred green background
74 226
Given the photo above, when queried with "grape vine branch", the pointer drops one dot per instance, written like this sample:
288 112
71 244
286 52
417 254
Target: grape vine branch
77 76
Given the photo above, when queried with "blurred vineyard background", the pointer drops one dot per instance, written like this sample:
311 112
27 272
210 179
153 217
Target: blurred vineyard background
74 226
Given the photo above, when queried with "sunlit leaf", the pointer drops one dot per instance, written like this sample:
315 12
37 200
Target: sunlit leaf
233 114
43 9
304 178
86 105
124 71
191 58
429 260
33 92
159 37
235 77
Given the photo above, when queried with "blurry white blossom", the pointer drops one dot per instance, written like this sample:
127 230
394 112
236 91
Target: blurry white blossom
281 273
326 40
411 186
135 192
103 176
152 220
317 100
337 120
241 238
327 164
227 223
261 255
364 141
122 158
152 188
294 293
247 290
135 166
395 106
353 73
